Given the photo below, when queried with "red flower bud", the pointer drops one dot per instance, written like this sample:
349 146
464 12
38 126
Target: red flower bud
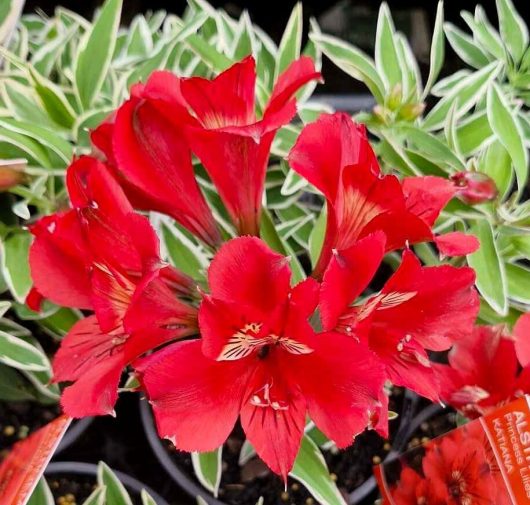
11 173
474 187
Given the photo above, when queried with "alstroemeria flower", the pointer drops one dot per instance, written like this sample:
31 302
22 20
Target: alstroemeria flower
413 489
334 155
467 383
146 146
461 465
419 308
231 142
102 256
260 359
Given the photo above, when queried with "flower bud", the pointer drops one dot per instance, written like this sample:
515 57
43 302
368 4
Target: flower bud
474 187
11 173
411 111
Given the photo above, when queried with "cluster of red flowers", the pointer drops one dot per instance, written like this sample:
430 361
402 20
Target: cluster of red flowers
457 469
467 382
256 356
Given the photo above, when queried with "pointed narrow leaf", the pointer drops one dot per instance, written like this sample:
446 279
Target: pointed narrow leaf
116 493
42 494
504 123
208 468
310 469
147 499
352 61
489 268
98 496
518 279
95 53
465 47
437 49
291 43
514 32
17 353
386 52
14 253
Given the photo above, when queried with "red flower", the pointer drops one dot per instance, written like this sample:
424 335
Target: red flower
147 148
335 156
260 359
467 383
103 256
217 120
521 333
418 308
460 464
413 489
230 141
474 187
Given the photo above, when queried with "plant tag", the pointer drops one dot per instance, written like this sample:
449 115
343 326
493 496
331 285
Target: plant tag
25 463
486 461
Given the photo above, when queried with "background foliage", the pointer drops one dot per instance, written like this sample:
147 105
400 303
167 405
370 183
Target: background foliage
63 75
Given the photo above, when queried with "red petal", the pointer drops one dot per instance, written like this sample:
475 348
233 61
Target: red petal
326 147
427 196
188 390
94 361
456 243
153 156
227 100
59 259
34 300
343 387
101 138
247 272
521 333
155 305
236 164
281 107
348 274
275 432
436 305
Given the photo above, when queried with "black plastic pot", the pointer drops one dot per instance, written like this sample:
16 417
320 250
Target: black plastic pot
76 429
409 423
181 478
89 469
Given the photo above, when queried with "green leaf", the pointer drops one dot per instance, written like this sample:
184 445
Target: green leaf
95 53
43 136
465 95
147 499
98 497
465 47
310 469
19 354
486 35
291 43
446 85
496 162
473 132
489 268
13 386
35 152
352 61
53 100
293 183
431 147
14 262
184 254
386 52
518 279
208 468
207 53
42 494
316 239
116 493
504 123
437 49
513 29
271 236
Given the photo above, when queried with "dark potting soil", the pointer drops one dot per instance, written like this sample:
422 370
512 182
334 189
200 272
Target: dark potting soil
20 419
71 489
244 485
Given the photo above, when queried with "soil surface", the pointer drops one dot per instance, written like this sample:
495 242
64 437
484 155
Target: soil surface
20 419
71 489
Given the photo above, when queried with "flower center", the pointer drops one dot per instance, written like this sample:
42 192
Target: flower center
262 398
248 339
